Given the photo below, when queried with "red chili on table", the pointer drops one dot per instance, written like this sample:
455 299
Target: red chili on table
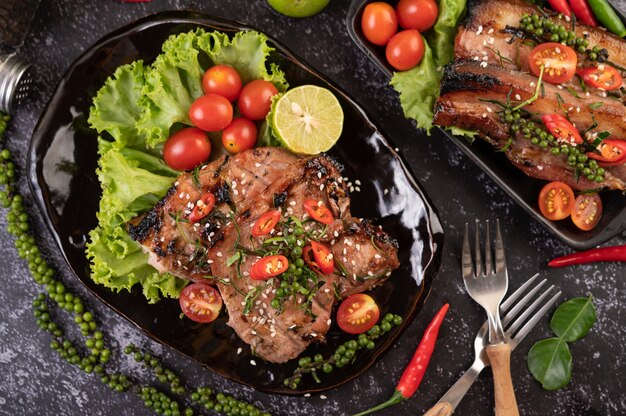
414 373
561 6
583 12
615 253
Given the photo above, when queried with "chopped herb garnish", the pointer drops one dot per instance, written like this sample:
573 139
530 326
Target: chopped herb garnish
596 105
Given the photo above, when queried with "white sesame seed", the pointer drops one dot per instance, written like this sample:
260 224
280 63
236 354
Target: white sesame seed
480 30
518 97
252 362
239 350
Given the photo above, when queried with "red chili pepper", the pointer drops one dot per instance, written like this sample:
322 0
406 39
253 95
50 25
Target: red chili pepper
583 12
414 373
561 6
202 208
615 253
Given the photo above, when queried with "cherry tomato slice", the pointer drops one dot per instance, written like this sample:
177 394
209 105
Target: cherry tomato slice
309 259
265 223
587 211
612 153
240 135
318 211
323 257
405 50
556 201
203 207
200 302
379 22
211 112
222 80
357 314
268 267
186 149
559 62
562 129
603 76
255 99
417 14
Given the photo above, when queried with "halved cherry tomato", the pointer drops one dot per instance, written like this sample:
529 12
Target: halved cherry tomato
603 76
309 259
268 267
222 80
203 207
357 314
559 62
379 22
587 211
612 153
562 129
211 112
323 257
255 99
200 302
265 223
405 50
240 135
186 149
318 211
556 201
417 14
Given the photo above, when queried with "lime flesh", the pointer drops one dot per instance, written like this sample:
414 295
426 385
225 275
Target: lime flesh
298 8
308 119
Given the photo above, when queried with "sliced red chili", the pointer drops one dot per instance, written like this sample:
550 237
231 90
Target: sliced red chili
268 267
203 207
266 223
561 128
318 211
603 76
323 257
612 153
309 259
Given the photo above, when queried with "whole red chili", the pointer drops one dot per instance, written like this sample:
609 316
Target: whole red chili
561 6
615 253
583 12
414 372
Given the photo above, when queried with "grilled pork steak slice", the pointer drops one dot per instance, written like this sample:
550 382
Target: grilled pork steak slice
247 186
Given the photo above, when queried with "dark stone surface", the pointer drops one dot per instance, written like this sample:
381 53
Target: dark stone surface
36 381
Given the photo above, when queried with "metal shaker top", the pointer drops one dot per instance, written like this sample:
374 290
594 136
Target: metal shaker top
14 81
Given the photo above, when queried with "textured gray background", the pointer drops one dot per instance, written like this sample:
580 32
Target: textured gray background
34 381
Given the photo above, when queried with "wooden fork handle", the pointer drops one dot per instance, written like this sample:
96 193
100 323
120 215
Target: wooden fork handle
500 357
440 409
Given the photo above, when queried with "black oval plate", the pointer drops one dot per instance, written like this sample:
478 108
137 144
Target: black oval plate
62 162
523 189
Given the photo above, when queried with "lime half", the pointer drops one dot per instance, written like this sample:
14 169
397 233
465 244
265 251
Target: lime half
298 8
308 119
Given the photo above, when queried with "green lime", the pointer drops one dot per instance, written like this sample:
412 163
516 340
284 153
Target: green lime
298 8
308 119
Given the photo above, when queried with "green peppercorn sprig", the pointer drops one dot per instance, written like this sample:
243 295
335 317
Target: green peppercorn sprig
221 403
343 355
94 356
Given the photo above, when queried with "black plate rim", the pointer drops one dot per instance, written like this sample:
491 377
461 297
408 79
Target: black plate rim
463 145
435 228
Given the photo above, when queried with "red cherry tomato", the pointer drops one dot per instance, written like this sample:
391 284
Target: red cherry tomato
379 22
255 99
417 14
211 112
200 302
269 267
202 208
309 259
357 314
587 211
240 135
265 223
602 76
556 201
561 128
405 50
559 62
186 149
612 153
318 211
222 80
323 257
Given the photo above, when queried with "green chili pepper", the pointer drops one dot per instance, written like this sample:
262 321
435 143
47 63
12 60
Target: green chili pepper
607 17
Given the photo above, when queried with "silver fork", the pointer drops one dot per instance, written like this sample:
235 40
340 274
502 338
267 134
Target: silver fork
521 321
488 289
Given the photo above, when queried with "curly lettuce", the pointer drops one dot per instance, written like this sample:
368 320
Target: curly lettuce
419 87
133 113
